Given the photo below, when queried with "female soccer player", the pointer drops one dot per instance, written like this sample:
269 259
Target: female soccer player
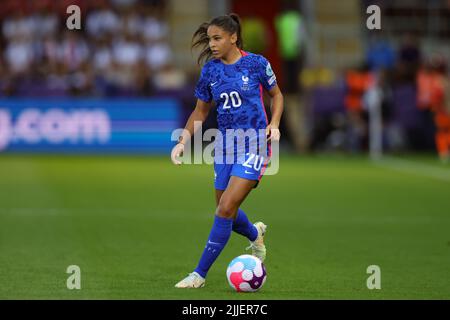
233 79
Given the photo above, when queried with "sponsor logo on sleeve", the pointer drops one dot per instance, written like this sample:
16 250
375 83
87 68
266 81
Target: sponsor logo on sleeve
269 71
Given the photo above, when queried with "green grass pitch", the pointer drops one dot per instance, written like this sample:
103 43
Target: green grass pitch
137 225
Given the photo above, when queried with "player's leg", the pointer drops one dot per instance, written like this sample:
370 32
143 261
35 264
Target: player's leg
231 199
236 192
219 194
229 204
217 235
252 169
241 223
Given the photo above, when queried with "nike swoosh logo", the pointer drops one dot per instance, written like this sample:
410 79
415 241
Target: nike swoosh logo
248 172
212 84
210 242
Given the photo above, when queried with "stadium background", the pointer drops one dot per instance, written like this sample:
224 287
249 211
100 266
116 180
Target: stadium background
86 118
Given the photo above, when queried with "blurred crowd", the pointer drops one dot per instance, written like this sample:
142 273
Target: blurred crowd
409 88
122 49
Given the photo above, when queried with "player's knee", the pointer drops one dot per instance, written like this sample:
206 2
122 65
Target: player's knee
226 208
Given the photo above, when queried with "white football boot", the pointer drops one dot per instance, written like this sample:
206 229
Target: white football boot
257 246
193 280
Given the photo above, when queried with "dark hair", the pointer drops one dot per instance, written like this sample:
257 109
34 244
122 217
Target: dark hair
230 23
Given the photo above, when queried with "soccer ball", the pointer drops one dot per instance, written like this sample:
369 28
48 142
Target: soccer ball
246 273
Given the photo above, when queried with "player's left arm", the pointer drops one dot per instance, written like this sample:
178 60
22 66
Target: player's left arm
272 130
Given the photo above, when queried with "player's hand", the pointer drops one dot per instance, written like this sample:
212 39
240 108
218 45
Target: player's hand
177 151
272 133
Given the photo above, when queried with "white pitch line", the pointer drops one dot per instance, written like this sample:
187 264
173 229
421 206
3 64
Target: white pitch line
413 167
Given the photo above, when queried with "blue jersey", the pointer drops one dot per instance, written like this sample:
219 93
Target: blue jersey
237 91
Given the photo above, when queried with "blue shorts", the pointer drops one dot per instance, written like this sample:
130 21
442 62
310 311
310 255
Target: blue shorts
251 169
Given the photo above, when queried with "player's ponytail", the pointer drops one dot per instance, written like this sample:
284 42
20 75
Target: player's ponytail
200 39
237 20
230 23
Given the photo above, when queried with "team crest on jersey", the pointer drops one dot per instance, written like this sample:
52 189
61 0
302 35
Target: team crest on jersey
245 81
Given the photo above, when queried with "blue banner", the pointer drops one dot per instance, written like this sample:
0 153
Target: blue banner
88 125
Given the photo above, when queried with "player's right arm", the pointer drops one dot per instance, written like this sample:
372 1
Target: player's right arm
199 114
